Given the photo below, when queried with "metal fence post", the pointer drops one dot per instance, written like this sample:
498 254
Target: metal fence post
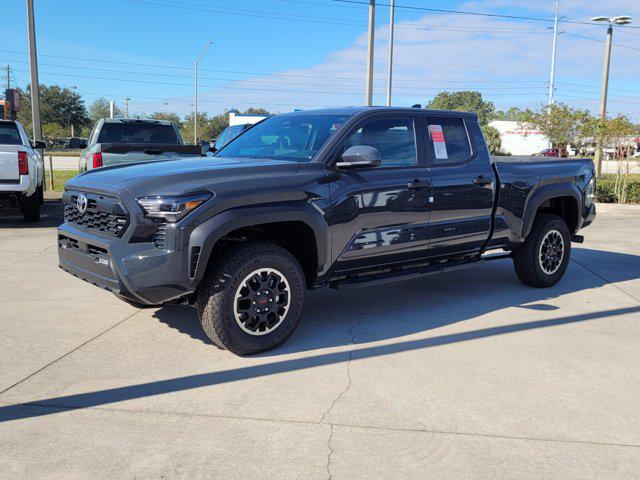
51 172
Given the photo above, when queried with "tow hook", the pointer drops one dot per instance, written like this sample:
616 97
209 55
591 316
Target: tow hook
577 239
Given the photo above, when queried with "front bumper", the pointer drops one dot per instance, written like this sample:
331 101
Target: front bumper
590 215
139 272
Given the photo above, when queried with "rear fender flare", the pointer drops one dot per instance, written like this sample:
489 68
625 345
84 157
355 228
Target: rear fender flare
544 193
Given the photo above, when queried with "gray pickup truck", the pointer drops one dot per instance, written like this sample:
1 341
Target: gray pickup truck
116 141
340 197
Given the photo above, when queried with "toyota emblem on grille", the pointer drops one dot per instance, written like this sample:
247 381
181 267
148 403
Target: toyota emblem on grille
82 203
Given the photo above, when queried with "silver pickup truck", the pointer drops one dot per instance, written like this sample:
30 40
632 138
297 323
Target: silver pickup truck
21 170
115 141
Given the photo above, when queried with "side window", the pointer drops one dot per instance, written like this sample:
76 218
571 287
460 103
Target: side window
221 139
449 140
394 137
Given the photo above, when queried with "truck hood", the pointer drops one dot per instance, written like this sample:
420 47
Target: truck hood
176 177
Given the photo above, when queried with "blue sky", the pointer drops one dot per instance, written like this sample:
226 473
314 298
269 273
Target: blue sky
285 54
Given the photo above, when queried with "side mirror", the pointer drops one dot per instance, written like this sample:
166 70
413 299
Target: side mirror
359 156
38 144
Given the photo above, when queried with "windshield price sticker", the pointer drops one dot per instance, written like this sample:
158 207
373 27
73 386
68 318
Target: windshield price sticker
439 145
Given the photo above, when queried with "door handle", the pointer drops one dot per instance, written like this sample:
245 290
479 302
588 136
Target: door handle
482 181
418 184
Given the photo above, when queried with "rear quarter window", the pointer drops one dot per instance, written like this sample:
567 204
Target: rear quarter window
449 140
9 134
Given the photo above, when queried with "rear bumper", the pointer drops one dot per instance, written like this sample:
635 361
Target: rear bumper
139 272
22 185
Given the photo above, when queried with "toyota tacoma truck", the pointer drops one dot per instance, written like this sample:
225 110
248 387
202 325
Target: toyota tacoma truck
117 141
21 170
343 198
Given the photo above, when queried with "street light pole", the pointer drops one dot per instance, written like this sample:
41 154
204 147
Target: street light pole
611 21
553 55
35 86
390 75
195 85
370 51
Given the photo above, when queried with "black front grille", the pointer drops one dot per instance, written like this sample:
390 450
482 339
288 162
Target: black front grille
103 214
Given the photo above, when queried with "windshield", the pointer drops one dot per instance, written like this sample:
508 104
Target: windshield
287 137
138 133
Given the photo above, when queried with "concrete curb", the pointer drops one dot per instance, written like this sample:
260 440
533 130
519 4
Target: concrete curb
617 208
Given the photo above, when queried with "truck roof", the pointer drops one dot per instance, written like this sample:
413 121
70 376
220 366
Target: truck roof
137 120
356 110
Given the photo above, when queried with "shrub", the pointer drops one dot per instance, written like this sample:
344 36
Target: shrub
605 189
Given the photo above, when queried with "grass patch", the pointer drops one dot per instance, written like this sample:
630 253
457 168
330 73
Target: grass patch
62 153
60 177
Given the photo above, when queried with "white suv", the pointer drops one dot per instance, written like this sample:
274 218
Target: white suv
21 170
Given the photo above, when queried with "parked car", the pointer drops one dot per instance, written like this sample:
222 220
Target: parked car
75 142
21 170
229 134
340 197
551 152
116 141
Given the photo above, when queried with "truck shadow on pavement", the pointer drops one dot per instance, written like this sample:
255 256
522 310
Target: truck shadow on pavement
51 215
355 320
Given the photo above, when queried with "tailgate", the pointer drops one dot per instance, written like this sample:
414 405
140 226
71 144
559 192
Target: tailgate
9 162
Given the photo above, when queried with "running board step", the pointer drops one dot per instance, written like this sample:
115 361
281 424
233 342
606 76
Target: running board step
398 275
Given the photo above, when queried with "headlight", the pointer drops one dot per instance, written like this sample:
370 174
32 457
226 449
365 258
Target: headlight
172 208
590 192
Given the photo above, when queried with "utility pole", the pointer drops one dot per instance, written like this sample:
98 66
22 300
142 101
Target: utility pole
126 107
35 86
603 97
390 76
611 21
195 86
111 109
553 56
372 29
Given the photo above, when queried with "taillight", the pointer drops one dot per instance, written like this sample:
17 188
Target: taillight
23 163
97 160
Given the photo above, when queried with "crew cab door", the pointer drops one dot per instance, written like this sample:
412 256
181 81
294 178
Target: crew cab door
381 214
463 186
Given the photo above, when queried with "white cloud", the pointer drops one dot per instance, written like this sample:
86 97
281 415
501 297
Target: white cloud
508 61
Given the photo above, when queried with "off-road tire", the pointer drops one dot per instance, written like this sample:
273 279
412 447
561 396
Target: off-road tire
216 296
31 207
526 259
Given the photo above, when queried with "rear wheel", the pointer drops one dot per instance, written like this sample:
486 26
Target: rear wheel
251 299
543 258
31 207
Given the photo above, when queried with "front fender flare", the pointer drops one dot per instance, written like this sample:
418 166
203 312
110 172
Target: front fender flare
208 233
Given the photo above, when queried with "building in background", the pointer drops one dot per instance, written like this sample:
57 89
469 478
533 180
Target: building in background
244 118
519 138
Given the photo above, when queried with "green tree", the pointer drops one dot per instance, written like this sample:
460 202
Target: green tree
561 124
256 111
58 105
513 114
465 101
205 131
492 136
169 116
218 124
99 108
54 131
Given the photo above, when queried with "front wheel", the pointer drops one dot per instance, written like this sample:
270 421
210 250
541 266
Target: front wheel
251 300
543 258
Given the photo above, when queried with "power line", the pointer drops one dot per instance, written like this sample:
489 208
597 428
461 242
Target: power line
478 14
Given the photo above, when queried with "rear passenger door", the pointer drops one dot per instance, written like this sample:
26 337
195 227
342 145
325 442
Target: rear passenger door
381 214
463 182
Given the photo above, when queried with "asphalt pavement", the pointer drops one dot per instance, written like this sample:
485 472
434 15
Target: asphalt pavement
465 375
